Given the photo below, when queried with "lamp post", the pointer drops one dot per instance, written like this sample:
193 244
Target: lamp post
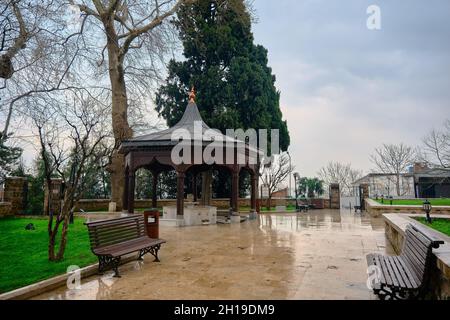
290 173
427 208
296 177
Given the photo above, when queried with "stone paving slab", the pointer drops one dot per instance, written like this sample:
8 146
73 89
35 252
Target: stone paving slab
314 255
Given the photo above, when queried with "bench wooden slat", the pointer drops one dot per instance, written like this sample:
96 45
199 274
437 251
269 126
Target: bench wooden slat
134 228
414 255
372 261
96 243
413 265
418 245
129 246
418 236
414 261
118 233
114 221
99 231
398 273
117 224
404 273
383 268
414 280
390 271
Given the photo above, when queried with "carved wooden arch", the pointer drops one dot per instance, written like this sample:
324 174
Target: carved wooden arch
138 159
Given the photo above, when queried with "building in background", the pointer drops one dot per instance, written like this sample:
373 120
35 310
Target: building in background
382 184
420 182
431 182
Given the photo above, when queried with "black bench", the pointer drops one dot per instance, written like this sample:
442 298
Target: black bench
405 276
112 239
302 207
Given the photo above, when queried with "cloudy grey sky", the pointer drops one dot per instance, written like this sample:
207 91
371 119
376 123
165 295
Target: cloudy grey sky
346 89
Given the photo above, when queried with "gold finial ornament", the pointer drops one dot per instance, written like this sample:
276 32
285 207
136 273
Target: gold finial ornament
192 95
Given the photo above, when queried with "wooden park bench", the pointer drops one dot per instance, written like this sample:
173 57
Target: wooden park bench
112 239
405 276
302 207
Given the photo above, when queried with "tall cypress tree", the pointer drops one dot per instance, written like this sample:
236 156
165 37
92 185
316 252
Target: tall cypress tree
235 87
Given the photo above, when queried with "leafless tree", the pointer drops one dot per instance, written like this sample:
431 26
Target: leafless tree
14 34
394 159
436 147
275 173
343 174
70 135
44 53
137 37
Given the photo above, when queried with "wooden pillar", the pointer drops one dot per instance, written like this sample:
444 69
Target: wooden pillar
180 193
131 187
235 191
194 187
125 192
154 189
254 178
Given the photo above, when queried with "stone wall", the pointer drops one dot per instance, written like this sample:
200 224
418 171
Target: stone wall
364 189
55 189
223 204
376 209
395 226
335 196
16 189
5 209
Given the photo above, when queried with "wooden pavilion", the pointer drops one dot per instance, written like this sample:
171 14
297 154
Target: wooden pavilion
154 153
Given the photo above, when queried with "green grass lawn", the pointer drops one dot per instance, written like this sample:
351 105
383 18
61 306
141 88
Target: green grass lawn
439 224
23 254
417 202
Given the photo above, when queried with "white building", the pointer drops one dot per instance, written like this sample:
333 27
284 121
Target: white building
382 184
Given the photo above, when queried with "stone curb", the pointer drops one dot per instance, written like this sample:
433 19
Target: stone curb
52 283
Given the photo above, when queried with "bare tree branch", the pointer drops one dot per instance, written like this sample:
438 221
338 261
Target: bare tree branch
395 160
436 147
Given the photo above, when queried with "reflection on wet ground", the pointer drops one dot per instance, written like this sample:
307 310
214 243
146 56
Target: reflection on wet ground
314 255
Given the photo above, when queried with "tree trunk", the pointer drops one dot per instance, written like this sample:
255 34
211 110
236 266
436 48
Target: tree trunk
269 203
121 128
52 256
397 185
63 242
51 246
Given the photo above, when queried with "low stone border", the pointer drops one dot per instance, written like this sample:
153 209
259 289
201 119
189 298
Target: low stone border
376 209
395 226
53 283
5 209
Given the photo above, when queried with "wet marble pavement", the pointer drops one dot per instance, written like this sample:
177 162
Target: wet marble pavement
314 255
